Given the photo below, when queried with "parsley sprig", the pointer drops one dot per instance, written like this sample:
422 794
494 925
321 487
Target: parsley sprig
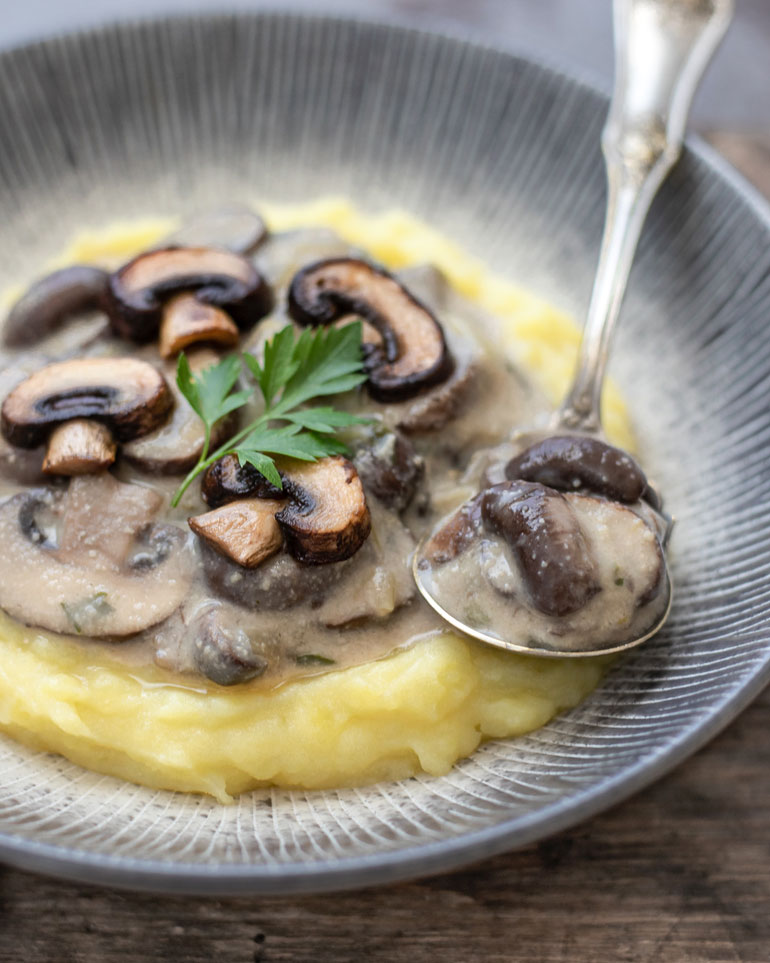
294 372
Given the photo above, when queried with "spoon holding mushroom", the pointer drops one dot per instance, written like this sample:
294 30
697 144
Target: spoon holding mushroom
566 556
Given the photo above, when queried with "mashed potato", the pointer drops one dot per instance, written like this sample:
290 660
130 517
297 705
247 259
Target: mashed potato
419 710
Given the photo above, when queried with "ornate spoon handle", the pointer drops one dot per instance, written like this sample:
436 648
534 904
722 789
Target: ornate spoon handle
662 48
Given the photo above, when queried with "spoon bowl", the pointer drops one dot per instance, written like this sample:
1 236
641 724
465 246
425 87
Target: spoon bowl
662 48
527 648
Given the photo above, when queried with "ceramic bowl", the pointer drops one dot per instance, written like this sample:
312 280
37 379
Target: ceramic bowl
503 155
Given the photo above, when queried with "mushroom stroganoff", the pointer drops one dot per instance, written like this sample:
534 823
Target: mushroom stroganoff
217 458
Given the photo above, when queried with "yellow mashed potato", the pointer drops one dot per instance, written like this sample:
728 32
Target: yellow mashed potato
419 710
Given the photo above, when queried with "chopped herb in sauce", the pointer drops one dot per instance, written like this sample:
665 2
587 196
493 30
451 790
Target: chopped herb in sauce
86 610
311 658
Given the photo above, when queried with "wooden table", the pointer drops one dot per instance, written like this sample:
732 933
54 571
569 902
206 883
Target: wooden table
679 874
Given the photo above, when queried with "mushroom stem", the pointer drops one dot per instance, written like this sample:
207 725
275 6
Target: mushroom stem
186 321
79 447
245 531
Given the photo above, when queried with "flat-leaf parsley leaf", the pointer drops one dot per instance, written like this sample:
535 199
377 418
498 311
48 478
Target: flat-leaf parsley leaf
293 371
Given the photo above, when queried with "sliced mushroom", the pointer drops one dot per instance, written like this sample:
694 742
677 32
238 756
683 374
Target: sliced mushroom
20 466
176 445
245 531
187 321
233 227
74 594
626 540
572 462
413 355
129 396
79 447
441 404
326 519
391 469
547 542
139 290
227 480
53 300
102 519
456 535
222 651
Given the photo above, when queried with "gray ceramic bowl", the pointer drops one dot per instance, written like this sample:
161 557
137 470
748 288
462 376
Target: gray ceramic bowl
503 155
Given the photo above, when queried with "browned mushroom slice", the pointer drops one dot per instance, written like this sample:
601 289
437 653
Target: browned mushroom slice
245 531
548 543
233 227
327 518
129 395
227 480
570 462
176 445
52 300
187 321
79 447
138 291
413 355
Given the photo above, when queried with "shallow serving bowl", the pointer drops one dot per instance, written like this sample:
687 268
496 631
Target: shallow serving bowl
502 154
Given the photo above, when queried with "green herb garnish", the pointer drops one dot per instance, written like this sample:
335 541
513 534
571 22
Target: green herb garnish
310 658
86 610
327 361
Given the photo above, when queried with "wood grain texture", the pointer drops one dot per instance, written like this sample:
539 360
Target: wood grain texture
679 874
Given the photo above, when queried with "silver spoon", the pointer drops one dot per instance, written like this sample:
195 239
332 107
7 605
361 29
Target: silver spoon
662 48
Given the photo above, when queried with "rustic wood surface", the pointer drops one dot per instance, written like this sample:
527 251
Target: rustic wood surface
678 874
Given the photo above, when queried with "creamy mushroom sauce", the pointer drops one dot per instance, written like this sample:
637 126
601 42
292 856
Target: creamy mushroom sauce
294 619
622 574
301 620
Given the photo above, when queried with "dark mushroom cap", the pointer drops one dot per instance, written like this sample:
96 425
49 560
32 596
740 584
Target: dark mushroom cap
138 291
572 462
223 652
128 395
327 518
279 583
228 480
456 535
52 300
391 469
547 542
413 353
